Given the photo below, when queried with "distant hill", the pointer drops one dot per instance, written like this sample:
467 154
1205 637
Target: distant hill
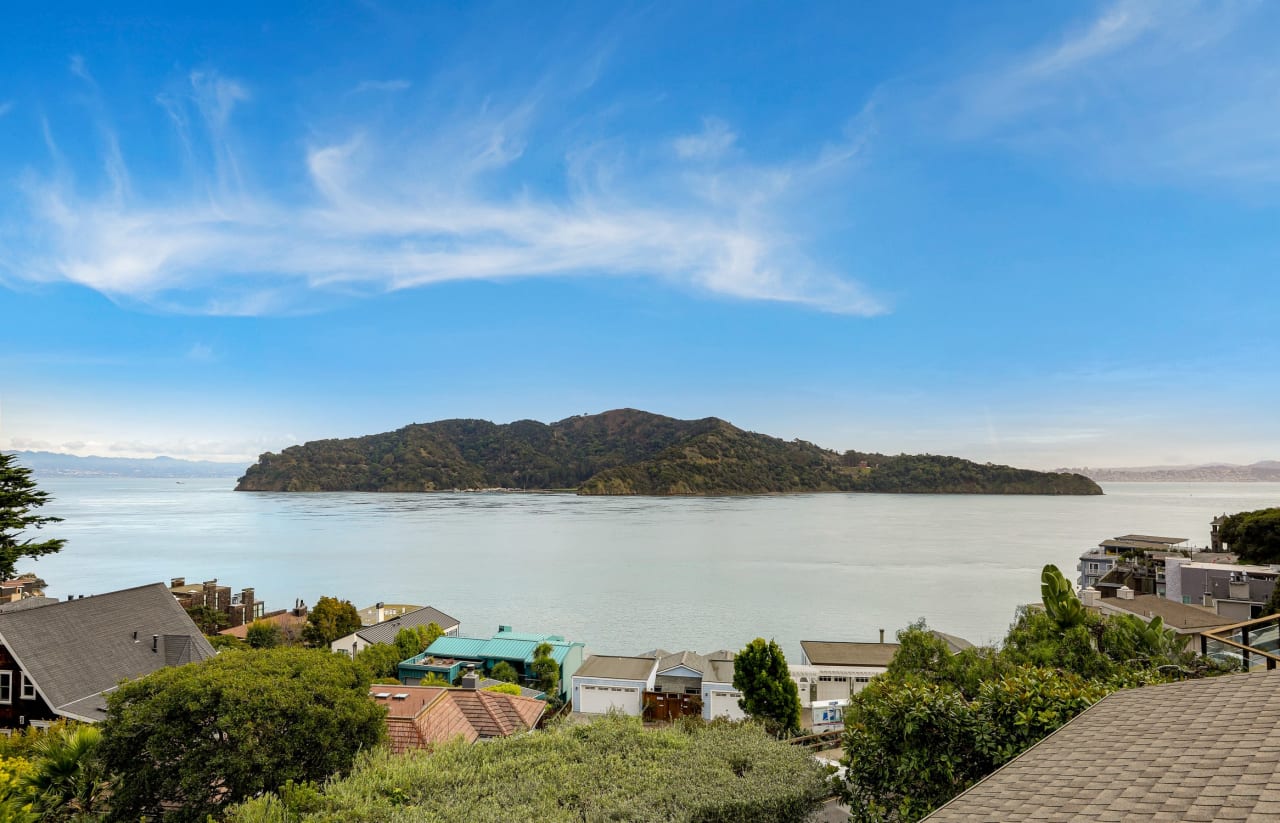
52 463
624 452
1264 471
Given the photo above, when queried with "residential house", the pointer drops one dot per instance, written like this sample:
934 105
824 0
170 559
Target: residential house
1095 563
1232 590
1188 621
514 648
378 612
239 608
1193 750
835 670
28 585
59 659
605 683
386 631
688 683
288 621
419 717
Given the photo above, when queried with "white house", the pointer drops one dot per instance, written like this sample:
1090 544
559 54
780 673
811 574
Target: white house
386 631
835 670
603 683
719 697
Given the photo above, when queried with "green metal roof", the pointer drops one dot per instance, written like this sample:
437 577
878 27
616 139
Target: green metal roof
502 646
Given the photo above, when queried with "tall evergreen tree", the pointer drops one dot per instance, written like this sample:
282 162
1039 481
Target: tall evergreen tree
768 692
19 498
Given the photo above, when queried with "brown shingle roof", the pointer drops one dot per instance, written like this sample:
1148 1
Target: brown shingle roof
431 715
617 668
1174 614
1197 750
841 653
285 620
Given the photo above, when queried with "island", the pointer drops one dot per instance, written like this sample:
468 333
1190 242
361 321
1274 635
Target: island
625 452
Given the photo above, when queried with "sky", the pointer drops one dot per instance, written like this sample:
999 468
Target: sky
1043 234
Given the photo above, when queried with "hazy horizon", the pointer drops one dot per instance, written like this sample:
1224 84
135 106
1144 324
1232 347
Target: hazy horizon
1040 235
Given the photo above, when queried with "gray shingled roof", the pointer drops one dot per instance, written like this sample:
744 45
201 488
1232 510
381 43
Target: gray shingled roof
1179 616
386 631
77 649
845 653
616 668
719 671
1197 750
690 660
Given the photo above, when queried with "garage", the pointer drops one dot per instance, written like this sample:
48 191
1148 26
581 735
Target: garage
601 699
603 684
725 704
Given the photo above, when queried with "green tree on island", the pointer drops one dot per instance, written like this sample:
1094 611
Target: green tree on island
19 498
328 620
188 740
769 694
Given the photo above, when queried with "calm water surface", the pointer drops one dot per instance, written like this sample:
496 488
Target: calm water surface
622 574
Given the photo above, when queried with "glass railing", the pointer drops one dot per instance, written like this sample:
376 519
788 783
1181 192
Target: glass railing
1250 645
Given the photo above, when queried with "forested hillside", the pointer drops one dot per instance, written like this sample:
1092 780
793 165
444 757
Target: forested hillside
624 452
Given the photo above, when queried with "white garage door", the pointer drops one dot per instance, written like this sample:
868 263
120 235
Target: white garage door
725 704
599 699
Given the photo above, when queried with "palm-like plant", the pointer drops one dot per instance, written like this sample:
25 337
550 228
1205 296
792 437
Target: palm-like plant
69 782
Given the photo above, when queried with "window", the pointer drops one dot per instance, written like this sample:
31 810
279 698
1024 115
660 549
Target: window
6 687
691 690
28 689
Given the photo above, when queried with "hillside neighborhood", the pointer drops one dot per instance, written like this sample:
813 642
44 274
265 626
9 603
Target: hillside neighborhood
438 684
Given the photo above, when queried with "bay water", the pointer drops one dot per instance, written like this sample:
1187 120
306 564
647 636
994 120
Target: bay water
623 574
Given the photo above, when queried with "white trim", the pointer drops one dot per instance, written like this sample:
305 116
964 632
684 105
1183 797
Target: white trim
14 654
6 684
26 688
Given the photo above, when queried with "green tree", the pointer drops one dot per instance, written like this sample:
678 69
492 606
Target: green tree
188 739
413 642
209 620
19 498
769 694
612 768
546 672
69 781
263 634
1254 536
505 672
380 660
329 620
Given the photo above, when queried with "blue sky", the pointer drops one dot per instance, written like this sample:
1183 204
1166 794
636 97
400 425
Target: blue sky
1043 234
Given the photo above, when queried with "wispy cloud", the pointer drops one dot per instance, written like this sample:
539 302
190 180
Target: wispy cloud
714 140
384 213
381 85
1166 91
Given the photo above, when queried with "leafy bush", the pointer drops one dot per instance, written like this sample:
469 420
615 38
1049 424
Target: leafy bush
610 769
186 740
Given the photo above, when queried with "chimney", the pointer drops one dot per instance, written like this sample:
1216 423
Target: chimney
1124 593
882 635
379 613
177 581
470 680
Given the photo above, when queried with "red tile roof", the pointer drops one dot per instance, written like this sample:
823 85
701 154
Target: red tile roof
431 715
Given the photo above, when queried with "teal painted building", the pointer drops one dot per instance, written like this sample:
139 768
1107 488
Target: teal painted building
515 648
